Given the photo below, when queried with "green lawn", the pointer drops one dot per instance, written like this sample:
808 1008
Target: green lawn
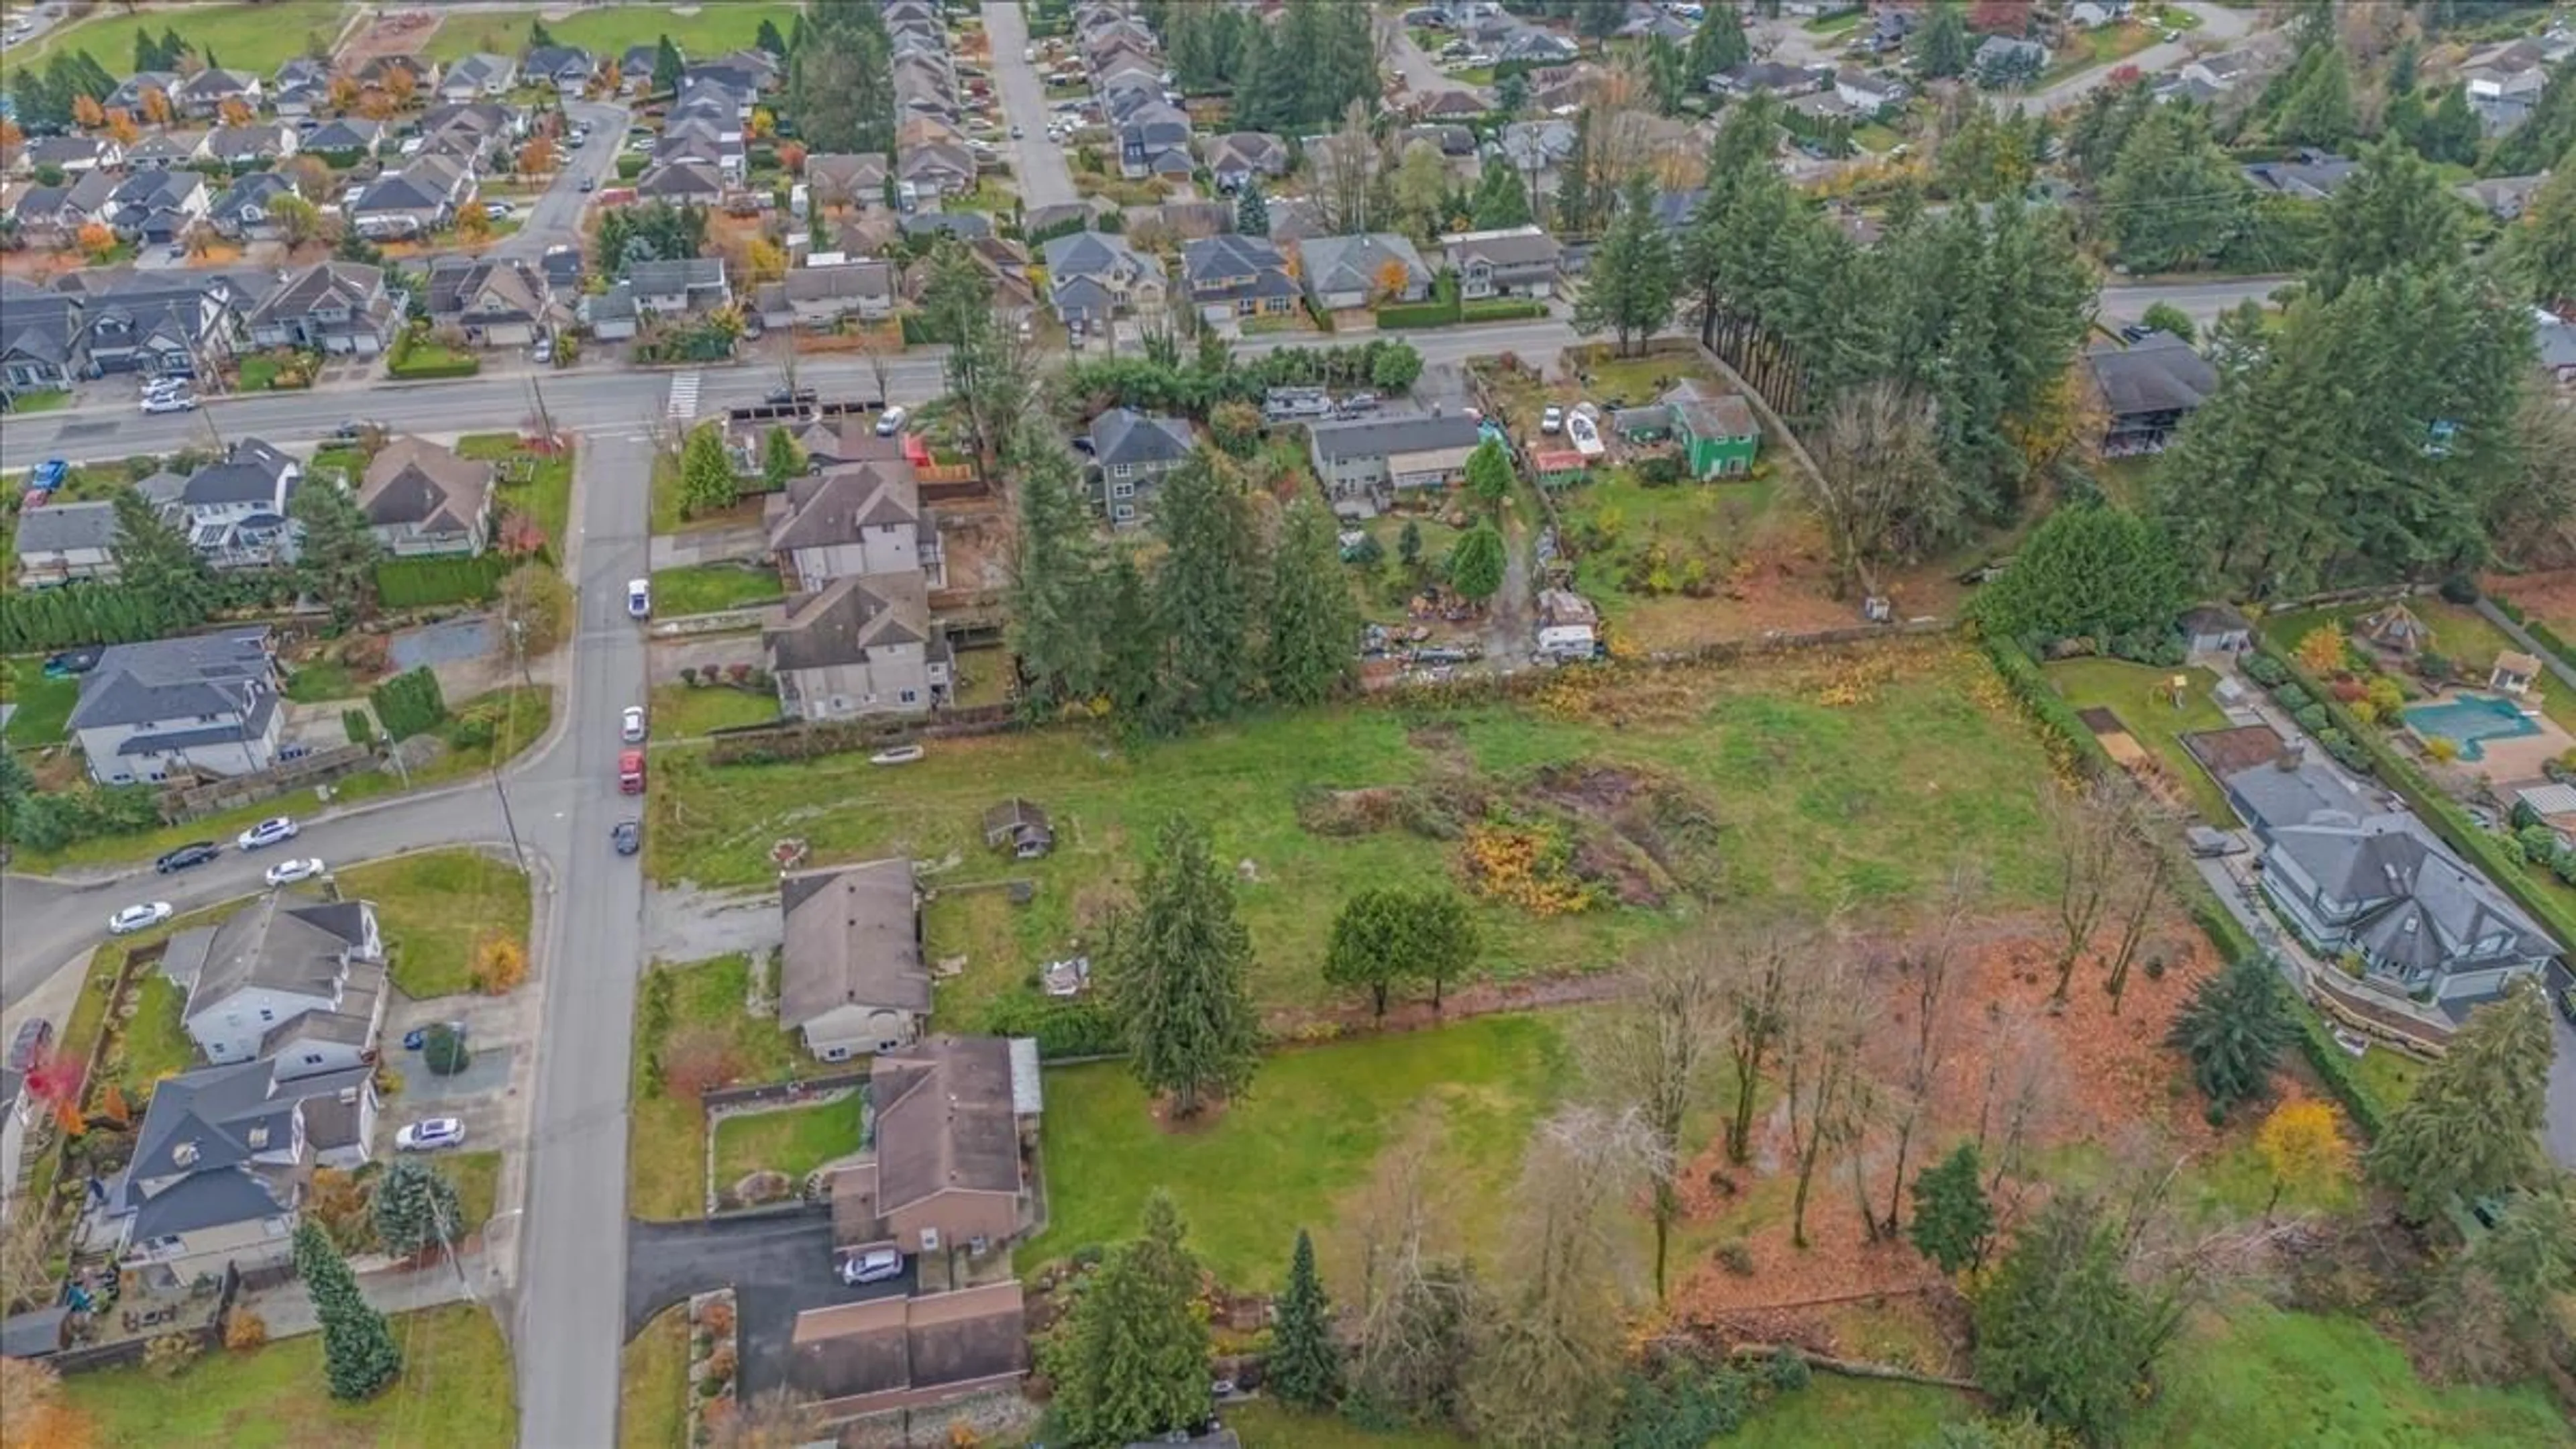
519 715
477 1176
1832 1410
321 681
244 37
667 1141
456 1388
2261 1376
2129 691
792 1140
682 711
545 488
1267 1424
1299 1149
653 1384
156 1038
44 706
2390 1075
433 908
709 32
1861 805
28 404
708 588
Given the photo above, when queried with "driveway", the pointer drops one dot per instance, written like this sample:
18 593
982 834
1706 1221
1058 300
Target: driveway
778 1265
1036 163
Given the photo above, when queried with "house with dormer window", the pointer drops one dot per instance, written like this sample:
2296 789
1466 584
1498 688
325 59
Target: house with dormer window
337 307
205 703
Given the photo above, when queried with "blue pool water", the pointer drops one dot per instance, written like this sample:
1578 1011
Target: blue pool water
2468 720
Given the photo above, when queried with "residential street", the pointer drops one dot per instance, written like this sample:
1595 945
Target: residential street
1037 164
554 219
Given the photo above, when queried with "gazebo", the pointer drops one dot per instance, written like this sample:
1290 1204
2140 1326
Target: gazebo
2395 630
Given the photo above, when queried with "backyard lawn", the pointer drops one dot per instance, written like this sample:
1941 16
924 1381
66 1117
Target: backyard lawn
1834 1410
2460 634
455 1388
1301 1148
2130 691
653 1384
156 1038
42 706
709 588
792 1140
435 909
538 484
244 37
682 711
666 1157
1827 779
702 34
2390 1075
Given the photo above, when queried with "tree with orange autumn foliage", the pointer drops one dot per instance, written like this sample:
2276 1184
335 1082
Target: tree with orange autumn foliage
1391 279
121 127
537 157
400 83
500 965
11 138
87 113
96 241
472 224
234 112
112 1106
2303 1146
612 79
344 94
35 1415
156 105
2321 650
791 157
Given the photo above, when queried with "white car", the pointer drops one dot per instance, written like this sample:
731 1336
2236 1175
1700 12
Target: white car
1552 421
170 402
430 1134
138 918
876 1265
498 210
639 598
288 872
274 831
630 728
890 422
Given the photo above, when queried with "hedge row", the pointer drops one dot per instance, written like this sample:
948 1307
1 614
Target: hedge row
418 583
42 619
2540 632
1450 312
1081 1027
1502 309
409 703
399 363
2334 1067
1417 314
2062 732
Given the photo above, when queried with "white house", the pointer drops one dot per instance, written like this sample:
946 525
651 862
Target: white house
206 703
280 970
856 519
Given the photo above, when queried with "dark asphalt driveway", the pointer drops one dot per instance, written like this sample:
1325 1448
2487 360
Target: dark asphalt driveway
778 1265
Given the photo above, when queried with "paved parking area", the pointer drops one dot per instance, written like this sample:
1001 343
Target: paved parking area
492 1094
778 1265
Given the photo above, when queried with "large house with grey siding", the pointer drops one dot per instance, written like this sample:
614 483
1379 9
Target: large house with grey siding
1364 463
2370 884
207 703
282 974
1133 451
862 518
860 645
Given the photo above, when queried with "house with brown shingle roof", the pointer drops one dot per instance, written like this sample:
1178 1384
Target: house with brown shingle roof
851 520
909 1353
956 1123
860 645
420 498
851 977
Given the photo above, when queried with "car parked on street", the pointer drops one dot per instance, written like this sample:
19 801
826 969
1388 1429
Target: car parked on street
34 1035
195 852
138 918
175 402
630 726
639 598
627 836
430 1134
288 872
276 830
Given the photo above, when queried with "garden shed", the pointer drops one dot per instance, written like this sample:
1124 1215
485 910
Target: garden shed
2217 629
1019 827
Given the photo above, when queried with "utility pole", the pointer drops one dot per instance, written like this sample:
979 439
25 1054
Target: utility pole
518 854
545 419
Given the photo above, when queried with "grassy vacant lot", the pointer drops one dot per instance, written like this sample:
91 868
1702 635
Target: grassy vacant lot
667 1145
1828 779
792 1140
455 1389
681 711
244 37
44 705
435 908
708 32
2262 1376
1302 1147
709 588
2129 691
653 1384
1643 546
542 486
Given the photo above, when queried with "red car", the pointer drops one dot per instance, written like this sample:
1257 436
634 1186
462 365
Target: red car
630 772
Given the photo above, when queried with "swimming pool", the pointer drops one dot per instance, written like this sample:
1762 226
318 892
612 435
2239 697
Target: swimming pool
2469 720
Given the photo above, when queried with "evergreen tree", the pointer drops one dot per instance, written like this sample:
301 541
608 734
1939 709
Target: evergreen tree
769 39
538 34
2540 248
1628 290
1953 1221
1943 49
667 65
1129 652
154 560
1719 43
2093 572
359 1357
1136 1357
1477 563
2451 133
1385 936
1203 592
2172 197
1408 543
337 552
1053 631
780 459
2472 1129
1176 977
1305 1369
2318 111
707 481
1575 203
416 1208
1314 626
2060 1333
1501 197
2393 212
1252 210
2233 1029
1489 473
1511 94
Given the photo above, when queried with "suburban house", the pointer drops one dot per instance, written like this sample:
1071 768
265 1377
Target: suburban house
568 68
415 201
206 703
635 67
1363 463
1092 277
2504 83
166 151
2502 197
130 92
2001 56
1518 261
242 212
1154 140
1451 105
936 168
682 183
73 155
1242 156
2314 176
52 216
235 508
477 76
157 207
1714 431
301 87
63 543
956 1124
2147 389
1342 272
860 645
1866 93
1237 276
170 323
420 498
494 301
849 178
246 145
851 977
39 338
1132 451
338 307
909 1352
1766 77
679 284
2373 886
204 93
849 521
825 290
346 140
219 1164
256 977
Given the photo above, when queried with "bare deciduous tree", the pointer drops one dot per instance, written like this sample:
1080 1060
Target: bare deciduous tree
1877 484
2025 1076
1415 1312
1351 169
2090 829
2147 867
1824 1020
1929 969
1755 968
1653 1055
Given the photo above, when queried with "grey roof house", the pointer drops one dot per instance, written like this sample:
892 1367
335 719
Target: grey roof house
1343 272
2148 388
350 137
1363 463
679 284
1514 262
494 301
818 295
242 212
1132 450
207 702
340 307
234 509
63 543
568 68
159 324
1240 156
421 498
852 520
1237 276
254 978
852 979
40 335
1090 277
860 645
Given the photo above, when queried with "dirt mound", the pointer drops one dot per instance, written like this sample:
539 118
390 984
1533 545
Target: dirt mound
762 1186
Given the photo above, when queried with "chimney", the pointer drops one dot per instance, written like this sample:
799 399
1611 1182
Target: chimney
2293 754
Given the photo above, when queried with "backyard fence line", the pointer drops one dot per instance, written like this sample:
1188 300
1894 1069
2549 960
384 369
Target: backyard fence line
715 1097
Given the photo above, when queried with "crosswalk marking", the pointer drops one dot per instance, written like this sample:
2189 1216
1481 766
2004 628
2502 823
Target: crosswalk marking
684 395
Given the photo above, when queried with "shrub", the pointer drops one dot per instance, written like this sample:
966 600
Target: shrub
474 733
1785 1371
2311 717
409 703
2267 671
360 729
1736 1257
500 965
1659 470
2292 698
169 1355
2539 844
2461 589
244 1330
445 1052
2435 669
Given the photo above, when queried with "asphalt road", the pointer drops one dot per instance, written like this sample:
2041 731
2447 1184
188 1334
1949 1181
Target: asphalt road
2219 28
1037 164
555 218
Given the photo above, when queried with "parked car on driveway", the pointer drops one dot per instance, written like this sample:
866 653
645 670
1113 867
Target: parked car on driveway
276 830
418 1036
195 852
138 918
430 1134
288 872
876 1265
